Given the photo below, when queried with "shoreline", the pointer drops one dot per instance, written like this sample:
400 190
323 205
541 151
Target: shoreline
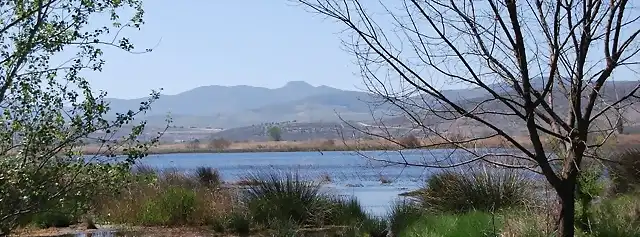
321 146
328 145
160 150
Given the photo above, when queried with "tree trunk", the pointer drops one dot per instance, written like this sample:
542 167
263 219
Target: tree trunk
566 223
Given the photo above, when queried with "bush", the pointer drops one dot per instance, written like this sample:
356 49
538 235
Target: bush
329 143
410 142
239 223
219 144
277 198
54 218
625 171
208 176
175 206
486 190
172 198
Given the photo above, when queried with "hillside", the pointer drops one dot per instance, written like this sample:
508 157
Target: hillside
235 106
244 112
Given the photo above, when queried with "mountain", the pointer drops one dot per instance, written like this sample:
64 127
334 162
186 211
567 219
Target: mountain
233 106
304 108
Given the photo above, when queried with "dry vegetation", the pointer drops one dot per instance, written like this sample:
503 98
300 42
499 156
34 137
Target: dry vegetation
313 145
407 142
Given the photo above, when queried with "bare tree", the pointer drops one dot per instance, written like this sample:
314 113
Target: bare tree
543 65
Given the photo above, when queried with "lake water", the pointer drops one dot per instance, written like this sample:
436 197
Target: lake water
352 174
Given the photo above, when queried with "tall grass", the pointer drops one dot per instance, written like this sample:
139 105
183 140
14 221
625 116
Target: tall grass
287 203
402 215
485 189
616 217
208 176
624 171
280 197
469 224
165 198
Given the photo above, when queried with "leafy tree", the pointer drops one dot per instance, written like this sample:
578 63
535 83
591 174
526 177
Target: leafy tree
275 133
544 65
49 111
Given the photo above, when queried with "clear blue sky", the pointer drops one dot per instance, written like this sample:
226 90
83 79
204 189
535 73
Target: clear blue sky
259 43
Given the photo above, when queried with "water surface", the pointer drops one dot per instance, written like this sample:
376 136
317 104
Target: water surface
352 174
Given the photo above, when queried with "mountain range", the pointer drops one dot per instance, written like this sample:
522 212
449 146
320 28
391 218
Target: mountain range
235 106
229 107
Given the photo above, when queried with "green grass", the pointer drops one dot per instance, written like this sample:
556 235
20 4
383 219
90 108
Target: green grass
472 224
286 204
403 214
174 206
619 216
166 198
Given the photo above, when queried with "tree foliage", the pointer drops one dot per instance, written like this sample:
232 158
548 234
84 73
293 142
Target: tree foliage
275 133
49 110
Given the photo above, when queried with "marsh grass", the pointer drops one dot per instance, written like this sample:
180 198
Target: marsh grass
484 189
402 215
619 216
277 198
471 224
208 176
285 203
165 198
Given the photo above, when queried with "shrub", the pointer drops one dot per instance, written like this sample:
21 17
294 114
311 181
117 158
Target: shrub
172 198
219 144
174 177
193 144
239 223
54 218
175 206
589 187
625 171
485 190
208 176
329 143
410 142
275 133
278 198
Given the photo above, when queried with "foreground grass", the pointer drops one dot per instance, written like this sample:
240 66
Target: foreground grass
452 203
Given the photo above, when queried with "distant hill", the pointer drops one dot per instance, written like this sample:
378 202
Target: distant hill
234 106
313 112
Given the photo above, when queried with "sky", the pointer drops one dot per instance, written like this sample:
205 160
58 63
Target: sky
258 43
